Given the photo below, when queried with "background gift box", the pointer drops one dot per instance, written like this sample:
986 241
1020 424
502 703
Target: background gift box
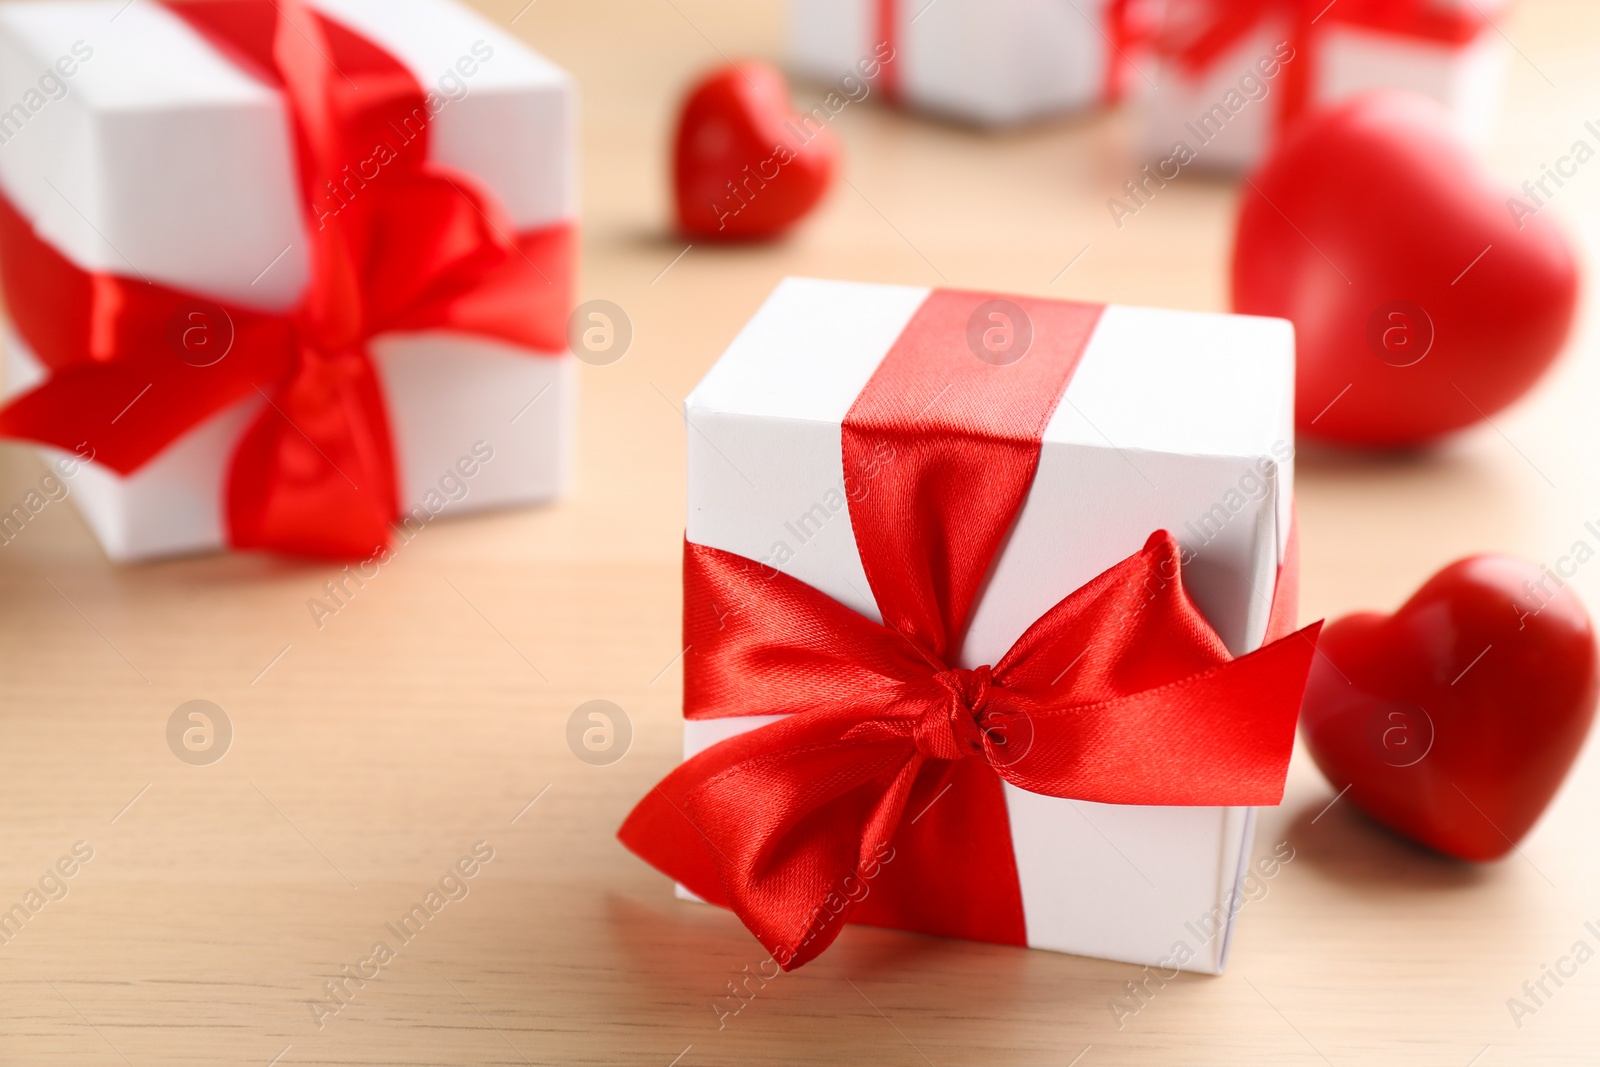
992 62
1228 76
169 158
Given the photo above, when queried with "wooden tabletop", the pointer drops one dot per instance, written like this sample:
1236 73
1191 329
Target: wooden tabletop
425 724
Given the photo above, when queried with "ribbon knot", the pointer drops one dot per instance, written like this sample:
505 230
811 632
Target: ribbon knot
328 333
951 728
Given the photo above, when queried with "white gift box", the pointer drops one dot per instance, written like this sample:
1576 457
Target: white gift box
164 158
1196 109
991 62
1175 420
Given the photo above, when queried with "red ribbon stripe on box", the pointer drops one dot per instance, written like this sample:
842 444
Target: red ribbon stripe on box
1200 32
1122 693
417 247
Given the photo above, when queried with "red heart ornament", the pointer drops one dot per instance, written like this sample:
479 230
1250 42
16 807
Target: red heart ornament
745 165
1424 298
1454 720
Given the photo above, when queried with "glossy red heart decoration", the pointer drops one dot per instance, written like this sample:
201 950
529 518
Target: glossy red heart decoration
745 166
1454 720
1424 297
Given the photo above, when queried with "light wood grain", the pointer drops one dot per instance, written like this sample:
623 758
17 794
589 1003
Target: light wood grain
426 715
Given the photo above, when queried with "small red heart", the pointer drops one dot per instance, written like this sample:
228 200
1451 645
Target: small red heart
1454 720
745 165
1424 298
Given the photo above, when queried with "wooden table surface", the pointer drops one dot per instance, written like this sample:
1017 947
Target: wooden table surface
372 753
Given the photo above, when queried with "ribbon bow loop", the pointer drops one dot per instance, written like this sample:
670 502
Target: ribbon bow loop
774 821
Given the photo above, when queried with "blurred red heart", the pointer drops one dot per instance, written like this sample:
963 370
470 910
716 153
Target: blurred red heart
1454 720
1424 297
745 165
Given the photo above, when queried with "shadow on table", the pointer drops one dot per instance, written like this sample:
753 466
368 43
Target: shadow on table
686 955
1455 466
1331 459
1344 845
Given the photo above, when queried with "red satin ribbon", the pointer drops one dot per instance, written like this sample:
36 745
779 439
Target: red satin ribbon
1122 693
415 246
1199 32
887 22
1124 30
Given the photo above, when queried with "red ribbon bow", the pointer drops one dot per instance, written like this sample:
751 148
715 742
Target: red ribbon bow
1122 693
414 247
1196 33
